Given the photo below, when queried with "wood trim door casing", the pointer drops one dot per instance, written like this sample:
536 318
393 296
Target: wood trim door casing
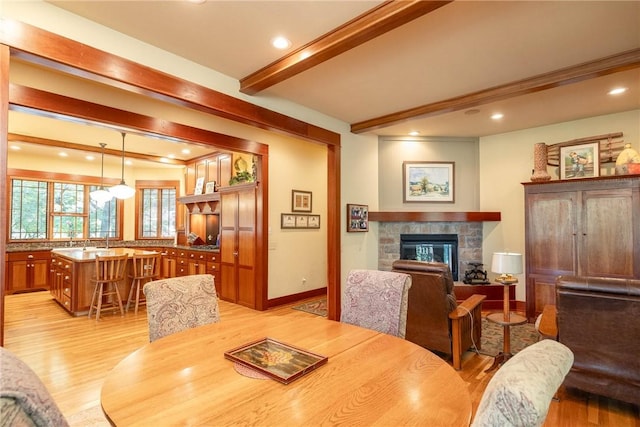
59 53
4 146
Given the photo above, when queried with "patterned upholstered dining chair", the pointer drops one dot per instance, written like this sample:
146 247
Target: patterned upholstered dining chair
24 399
180 303
520 392
376 300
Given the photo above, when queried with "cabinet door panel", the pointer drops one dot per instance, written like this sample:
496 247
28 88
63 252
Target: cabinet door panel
40 274
607 233
551 233
17 276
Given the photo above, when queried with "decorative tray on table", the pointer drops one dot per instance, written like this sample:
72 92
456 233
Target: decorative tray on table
279 361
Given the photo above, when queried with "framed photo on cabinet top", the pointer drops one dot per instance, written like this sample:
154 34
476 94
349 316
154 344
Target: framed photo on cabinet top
210 187
300 201
199 186
580 161
428 182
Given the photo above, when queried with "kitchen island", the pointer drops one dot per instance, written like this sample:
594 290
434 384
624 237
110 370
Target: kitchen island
71 271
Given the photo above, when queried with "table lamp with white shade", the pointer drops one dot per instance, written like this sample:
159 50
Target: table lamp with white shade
506 265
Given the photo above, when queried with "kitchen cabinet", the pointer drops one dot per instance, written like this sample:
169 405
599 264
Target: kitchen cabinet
61 280
586 227
238 244
71 272
215 168
26 271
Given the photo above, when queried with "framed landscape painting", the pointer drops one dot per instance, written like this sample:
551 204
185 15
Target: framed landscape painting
428 182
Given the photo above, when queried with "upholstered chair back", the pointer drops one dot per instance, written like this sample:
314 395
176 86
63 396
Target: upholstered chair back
520 392
376 300
180 303
431 299
24 399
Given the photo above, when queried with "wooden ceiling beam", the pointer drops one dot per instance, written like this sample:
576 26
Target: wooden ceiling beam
371 24
16 137
600 67
37 46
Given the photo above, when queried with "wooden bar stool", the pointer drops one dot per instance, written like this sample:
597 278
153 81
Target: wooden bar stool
109 271
144 268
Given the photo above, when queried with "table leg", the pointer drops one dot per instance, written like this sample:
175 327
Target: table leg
506 340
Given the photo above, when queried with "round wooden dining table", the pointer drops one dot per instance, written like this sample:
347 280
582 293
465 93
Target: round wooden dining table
370 378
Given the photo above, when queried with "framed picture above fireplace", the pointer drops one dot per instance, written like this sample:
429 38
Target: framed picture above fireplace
428 182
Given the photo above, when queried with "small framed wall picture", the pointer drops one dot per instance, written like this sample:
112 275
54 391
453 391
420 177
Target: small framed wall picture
314 221
357 218
287 220
302 221
300 201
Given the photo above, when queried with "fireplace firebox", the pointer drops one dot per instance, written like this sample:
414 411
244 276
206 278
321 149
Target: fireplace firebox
431 247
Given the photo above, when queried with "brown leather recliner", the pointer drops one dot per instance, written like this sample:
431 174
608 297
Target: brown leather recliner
434 319
598 319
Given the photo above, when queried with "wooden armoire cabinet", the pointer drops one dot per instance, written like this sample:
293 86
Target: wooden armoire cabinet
584 227
238 244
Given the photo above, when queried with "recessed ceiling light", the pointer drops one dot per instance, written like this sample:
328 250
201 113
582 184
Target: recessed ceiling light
497 116
90 157
186 151
63 154
15 147
414 133
171 156
617 91
164 160
280 42
128 162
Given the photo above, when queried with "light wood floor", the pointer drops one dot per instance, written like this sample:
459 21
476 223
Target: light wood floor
73 355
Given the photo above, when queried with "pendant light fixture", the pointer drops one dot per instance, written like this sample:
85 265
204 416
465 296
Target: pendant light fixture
101 196
122 190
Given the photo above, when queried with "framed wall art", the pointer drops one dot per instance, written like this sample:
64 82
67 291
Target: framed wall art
357 218
296 220
580 161
300 201
287 220
314 221
428 182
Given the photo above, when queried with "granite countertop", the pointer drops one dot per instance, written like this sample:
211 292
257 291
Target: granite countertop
45 246
89 254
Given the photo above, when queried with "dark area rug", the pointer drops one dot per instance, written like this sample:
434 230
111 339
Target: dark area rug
492 334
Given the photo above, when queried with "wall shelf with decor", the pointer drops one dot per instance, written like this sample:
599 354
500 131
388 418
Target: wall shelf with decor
201 203
434 216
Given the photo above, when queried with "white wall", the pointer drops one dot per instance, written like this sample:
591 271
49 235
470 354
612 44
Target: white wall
506 161
463 152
